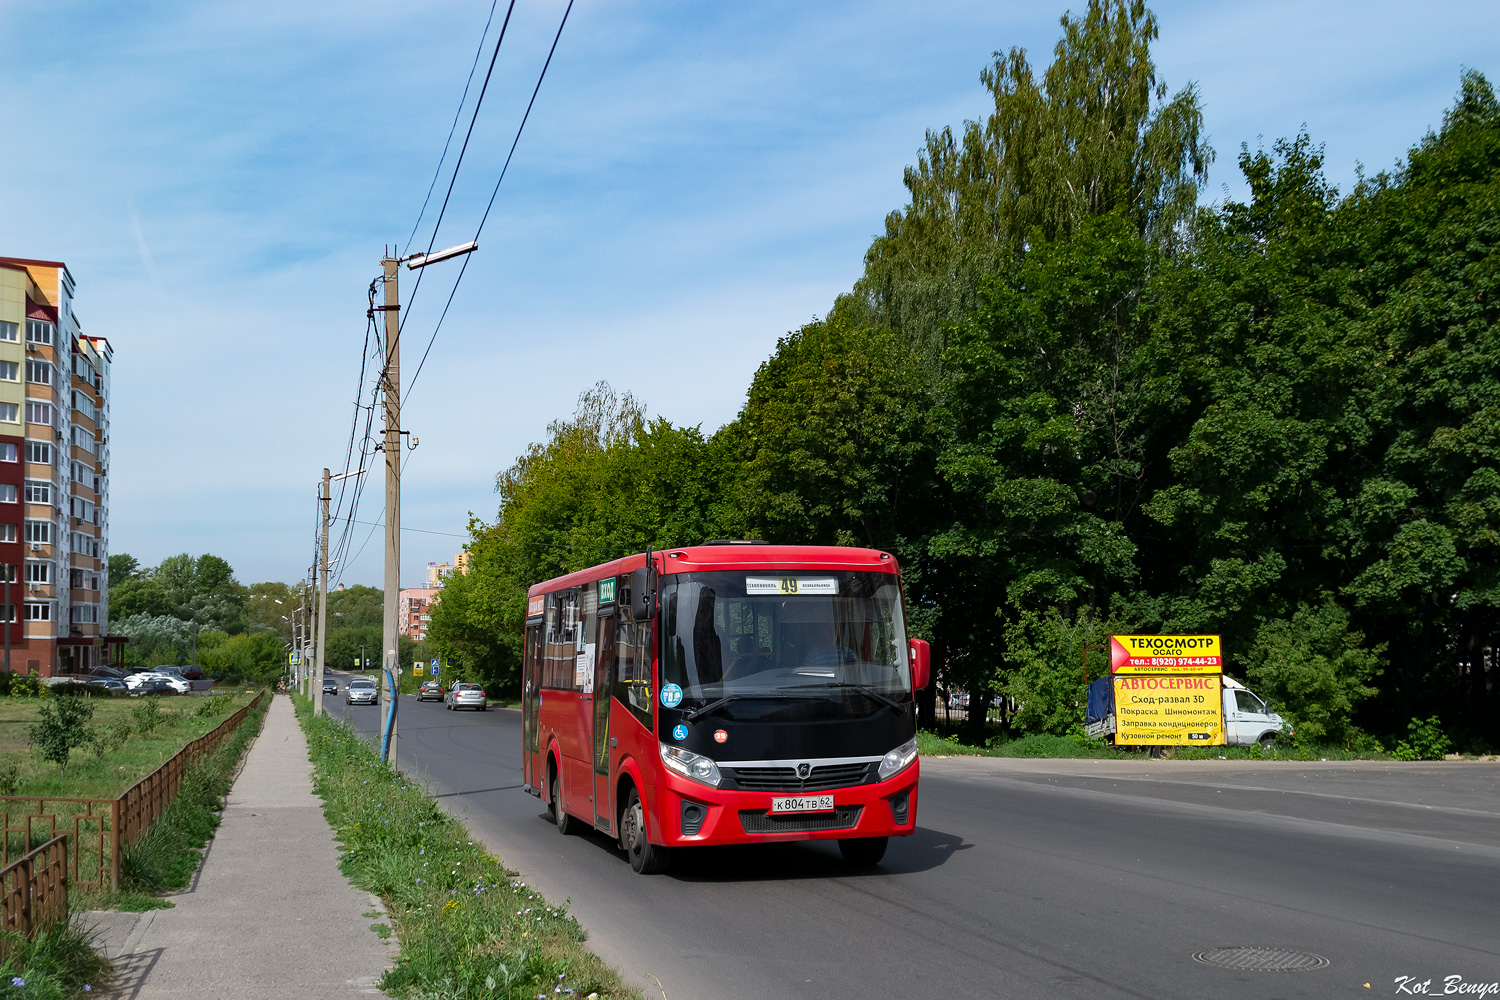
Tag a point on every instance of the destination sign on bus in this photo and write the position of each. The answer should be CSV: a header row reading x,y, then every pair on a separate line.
x,y
791,585
1166,654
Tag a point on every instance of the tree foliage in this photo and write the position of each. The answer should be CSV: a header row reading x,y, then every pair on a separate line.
x,y
1072,402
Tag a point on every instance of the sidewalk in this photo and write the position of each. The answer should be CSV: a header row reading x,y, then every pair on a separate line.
x,y
269,914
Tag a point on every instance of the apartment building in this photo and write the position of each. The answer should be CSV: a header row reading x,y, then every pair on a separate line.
x,y
415,611
54,474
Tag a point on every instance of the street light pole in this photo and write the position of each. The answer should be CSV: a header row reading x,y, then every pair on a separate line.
x,y
391,381
322,605
390,637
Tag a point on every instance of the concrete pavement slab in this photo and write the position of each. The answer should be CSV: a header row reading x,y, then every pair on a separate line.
x,y
269,915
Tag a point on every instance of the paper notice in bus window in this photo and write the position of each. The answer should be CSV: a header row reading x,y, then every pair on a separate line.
x,y
791,585
583,677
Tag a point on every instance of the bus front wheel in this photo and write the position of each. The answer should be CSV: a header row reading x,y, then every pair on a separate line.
x,y
862,852
566,824
645,857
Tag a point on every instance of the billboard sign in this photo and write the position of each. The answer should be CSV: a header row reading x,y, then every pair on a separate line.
x,y
1168,711
1165,654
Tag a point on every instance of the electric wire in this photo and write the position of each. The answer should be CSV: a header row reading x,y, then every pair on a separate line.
x,y
459,163
485,218
457,114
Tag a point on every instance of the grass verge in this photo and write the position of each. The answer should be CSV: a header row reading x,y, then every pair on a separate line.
x,y
469,928
61,962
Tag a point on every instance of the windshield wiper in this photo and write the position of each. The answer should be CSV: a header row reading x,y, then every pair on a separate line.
x,y
868,692
737,696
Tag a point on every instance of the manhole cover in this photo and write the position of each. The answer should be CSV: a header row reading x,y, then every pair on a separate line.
x,y
1261,959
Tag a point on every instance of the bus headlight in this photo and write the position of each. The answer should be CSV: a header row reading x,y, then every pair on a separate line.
x,y
898,759
692,765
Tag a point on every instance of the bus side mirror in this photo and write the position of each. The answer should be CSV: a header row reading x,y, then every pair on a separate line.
x,y
642,595
921,664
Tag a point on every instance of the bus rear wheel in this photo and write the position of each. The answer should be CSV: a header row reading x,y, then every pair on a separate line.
x,y
862,852
645,857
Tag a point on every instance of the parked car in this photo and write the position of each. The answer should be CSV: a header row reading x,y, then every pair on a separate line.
x,y
361,691
193,672
173,681
330,685
430,690
153,685
111,685
465,695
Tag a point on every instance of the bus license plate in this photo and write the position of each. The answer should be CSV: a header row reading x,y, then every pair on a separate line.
x,y
802,803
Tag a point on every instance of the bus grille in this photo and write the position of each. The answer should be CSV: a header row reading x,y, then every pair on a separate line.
x,y
761,821
784,779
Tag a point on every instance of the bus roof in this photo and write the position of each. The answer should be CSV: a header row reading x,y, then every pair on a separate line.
x,y
704,558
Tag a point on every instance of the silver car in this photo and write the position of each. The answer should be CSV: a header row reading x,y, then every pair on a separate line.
x,y
465,695
361,691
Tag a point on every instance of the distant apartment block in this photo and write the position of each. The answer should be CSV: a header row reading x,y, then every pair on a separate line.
x,y
54,474
436,571
415,611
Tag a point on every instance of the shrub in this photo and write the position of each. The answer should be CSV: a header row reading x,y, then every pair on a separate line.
x,y
61,726
1424,741
10,777
145,716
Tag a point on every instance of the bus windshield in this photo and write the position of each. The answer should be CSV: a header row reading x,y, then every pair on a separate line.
x,y
764,635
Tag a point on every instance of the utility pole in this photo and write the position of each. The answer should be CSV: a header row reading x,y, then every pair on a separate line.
x,y
390,635
322,606
10,614
390,663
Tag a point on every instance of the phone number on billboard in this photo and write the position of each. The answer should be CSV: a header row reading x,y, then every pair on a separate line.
x,y
1182,661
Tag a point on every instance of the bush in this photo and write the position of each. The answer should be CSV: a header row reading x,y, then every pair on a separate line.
x,y
61,726
145,716
1424,741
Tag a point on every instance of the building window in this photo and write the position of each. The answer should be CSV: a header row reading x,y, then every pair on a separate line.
x,y
38,492
40,612
12,568
10,371
9,611
7,492
39,372
83,439
38,412
39,531
38,452
38,331
10,412
85,614
8,534
9,331
9,453
38,572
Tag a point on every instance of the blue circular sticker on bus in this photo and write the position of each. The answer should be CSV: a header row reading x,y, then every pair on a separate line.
x,y
671,695
679,732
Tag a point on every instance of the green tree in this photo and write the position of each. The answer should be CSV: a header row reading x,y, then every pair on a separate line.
x,y
61,727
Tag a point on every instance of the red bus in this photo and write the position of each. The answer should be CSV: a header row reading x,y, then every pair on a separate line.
x,y
726,693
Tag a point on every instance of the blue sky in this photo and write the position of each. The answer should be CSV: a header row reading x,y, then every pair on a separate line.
x,y
696,180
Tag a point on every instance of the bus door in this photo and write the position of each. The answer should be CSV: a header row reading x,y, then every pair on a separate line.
x,y
604,817
531,690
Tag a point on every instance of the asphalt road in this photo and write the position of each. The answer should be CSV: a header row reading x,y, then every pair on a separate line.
x,y
1031,878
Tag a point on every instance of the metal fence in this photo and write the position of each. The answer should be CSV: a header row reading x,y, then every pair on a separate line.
x,y
34,890
99,830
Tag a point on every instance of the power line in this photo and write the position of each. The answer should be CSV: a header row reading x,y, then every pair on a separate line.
x,y
457,113
485,218
458,164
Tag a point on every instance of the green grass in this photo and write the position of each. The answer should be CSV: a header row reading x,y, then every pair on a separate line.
x,y
61,962
469,928
140,743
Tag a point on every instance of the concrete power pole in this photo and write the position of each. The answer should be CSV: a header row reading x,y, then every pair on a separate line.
x,y
322,606
390,673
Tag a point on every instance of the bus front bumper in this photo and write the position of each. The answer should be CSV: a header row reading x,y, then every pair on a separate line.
x,y
692,814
